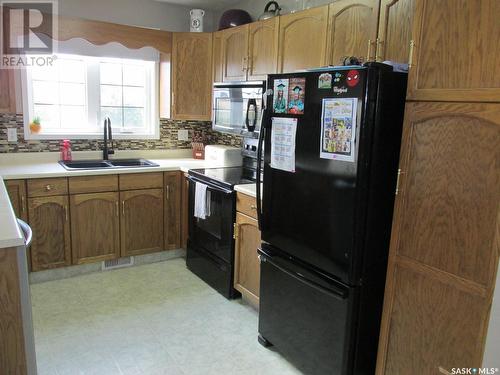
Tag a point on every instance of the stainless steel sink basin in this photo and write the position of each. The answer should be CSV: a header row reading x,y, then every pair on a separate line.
x,y
132,163
106,164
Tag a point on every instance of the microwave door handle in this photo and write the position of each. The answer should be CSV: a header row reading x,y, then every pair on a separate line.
x,y
251,103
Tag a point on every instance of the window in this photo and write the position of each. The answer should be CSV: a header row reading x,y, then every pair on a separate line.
x,y
71,98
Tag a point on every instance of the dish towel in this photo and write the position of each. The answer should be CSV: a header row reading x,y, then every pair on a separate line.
x,y
201,201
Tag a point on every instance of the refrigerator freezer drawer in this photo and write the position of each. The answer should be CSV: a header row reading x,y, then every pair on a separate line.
x,y
307,321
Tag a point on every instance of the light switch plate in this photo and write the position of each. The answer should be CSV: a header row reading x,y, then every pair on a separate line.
x,y
11,135
183,135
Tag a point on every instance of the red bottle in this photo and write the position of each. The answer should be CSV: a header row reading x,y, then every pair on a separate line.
x,y
66,150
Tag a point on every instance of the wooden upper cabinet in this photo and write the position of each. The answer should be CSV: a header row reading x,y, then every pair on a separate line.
x,y
7,91
302,40
456,51
49,220
217,56
191,76
444,246
141,221
394,30
262,49
173,210
352,30
234,53
17,194
452,197
246,263
95,227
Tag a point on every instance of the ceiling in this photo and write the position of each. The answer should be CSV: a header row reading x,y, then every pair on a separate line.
x,y
203,4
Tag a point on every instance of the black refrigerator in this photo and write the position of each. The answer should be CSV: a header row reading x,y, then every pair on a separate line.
x,y
329,151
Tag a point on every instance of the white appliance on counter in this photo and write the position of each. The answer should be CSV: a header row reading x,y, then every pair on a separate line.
x,y
227,156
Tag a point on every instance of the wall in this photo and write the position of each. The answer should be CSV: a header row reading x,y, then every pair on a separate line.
x,y
491,358
168,138
256,7
144,13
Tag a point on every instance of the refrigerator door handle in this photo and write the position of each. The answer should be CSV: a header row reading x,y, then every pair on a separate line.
x,y
334,292
260,143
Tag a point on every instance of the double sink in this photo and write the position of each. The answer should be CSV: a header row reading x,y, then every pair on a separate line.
x,y
106,164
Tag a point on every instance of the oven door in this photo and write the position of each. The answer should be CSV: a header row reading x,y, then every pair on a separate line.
x,y
214,233
237,108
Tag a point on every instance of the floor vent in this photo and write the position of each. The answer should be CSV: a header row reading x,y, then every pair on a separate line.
x,y
117,263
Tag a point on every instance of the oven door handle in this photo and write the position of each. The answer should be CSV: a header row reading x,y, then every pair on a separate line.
x,y
211,186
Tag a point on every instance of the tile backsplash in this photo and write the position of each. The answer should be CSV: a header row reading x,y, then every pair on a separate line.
x,y
168,138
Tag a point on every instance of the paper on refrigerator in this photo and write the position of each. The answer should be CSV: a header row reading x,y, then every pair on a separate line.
x,y
283,132
338,129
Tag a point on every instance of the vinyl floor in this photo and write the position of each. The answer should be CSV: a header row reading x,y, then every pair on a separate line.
x,y
152,319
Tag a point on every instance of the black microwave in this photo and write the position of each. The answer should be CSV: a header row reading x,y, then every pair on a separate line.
x,y
237,107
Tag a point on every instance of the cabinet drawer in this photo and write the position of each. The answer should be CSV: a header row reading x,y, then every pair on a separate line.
x,y
246,204
141,181
44,187
93,184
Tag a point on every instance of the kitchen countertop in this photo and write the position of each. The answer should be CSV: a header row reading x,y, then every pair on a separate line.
x,y
248,189
10,234
45,164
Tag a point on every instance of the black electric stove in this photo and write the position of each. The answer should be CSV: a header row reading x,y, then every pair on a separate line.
x,y
210,248
225,177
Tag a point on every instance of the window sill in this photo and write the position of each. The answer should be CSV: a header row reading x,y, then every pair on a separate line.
x,y
94,136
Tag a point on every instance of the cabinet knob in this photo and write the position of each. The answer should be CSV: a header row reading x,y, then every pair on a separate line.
x,y
253,206
48,187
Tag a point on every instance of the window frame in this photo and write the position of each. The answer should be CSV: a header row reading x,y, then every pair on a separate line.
x,y
93,103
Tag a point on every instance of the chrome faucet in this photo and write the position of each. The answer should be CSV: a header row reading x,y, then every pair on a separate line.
x,y
108,136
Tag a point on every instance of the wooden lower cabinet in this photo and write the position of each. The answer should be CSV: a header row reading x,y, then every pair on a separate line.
x,y
141,228
172,219
246,262
49,220
12,342
95,227
17,194
444,248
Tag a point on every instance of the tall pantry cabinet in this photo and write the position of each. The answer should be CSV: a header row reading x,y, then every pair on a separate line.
x,y
445,238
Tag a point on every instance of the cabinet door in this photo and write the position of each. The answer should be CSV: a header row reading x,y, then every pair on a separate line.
x,y
217,56
191,76
172,210
49,220
17,194
444,245
246,261
352,30
234,53
7,91
456,53
141,221
394,30
185,211
262,48
302,40
95,227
